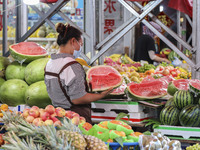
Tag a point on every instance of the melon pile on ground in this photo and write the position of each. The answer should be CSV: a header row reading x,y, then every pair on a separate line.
x,y
23,83
184,105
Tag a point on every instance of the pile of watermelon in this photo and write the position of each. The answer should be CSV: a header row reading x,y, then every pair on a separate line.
x,y
110,131
185,104
22,80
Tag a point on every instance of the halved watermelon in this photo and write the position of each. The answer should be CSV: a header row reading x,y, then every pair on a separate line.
x,y
120,90
150,90
27,51
194,88
103,77
181,84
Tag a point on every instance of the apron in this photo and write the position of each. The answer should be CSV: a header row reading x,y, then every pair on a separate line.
x,y
83,110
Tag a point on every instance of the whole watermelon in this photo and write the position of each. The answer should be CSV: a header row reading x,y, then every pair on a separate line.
x,y
34,71
12,92
1,81
36,95
170,102
15,71
169,115
4,62
189,116
182,98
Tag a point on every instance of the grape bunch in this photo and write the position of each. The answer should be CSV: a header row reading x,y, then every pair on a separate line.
x,y
194,147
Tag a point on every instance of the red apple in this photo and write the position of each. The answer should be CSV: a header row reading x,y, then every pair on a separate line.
x,y
34,112
50,109
30,119
53,115
41,111
48,122
75,120
57,123
82,120
25,113
45,116
36,121
69,114
35,107
60,112
54,119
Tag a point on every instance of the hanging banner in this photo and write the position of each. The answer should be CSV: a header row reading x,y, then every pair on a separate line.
x,y
185,6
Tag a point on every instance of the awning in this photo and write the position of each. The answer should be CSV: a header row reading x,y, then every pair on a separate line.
x,y
185,6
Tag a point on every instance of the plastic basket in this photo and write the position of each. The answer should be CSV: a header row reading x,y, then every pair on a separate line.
x,y
115,146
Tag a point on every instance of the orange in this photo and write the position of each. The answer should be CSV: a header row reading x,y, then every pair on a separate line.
x,y
4,107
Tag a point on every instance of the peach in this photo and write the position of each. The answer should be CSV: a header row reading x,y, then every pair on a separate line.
x,y
82,120
25,113
57,123
45,116
41,111
50,109
30,119
60,112
40,123
69,114
53,115
36,121
75,120
48,122
34,112
35,107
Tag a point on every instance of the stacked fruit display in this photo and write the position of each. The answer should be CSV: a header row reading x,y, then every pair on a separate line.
x,y
108,131
22,135
184,104
25,80
48,116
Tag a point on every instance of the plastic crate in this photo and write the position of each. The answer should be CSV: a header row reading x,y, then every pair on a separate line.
x,y
115,146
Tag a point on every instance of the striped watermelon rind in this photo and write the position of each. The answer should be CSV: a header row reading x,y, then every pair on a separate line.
x,y
102,68
170,102
195,90
183,98
169,115
190,116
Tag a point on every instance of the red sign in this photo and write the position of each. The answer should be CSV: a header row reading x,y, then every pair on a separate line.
x,y
110,6
109,25
165,19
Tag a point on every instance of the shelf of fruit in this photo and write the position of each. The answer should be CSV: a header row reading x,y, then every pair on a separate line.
x,y
136,72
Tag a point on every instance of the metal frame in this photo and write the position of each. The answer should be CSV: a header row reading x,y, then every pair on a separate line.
x,y
106,43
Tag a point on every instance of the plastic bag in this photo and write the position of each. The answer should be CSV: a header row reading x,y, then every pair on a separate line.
x,y
176,62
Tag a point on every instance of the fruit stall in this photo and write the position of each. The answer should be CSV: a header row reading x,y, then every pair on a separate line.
x,y
151,107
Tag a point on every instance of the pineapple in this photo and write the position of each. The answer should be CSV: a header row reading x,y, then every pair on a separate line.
x,y
93,143
76,139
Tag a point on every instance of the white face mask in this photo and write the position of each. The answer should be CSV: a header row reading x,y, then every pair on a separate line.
x,y
77,53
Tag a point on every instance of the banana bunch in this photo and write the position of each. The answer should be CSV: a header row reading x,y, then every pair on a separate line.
x,y
115,57
51,35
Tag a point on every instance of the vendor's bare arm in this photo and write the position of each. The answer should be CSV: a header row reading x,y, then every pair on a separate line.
x,y
90,97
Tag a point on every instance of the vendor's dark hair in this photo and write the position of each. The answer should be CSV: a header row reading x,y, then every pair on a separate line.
x,y
67,32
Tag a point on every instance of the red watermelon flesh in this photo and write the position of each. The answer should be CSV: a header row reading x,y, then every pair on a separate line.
x,y
195,83
103,77
182,84
120,90
29,48
148,90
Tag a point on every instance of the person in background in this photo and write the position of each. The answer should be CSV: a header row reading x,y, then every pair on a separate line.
x,y
65,78
145,46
